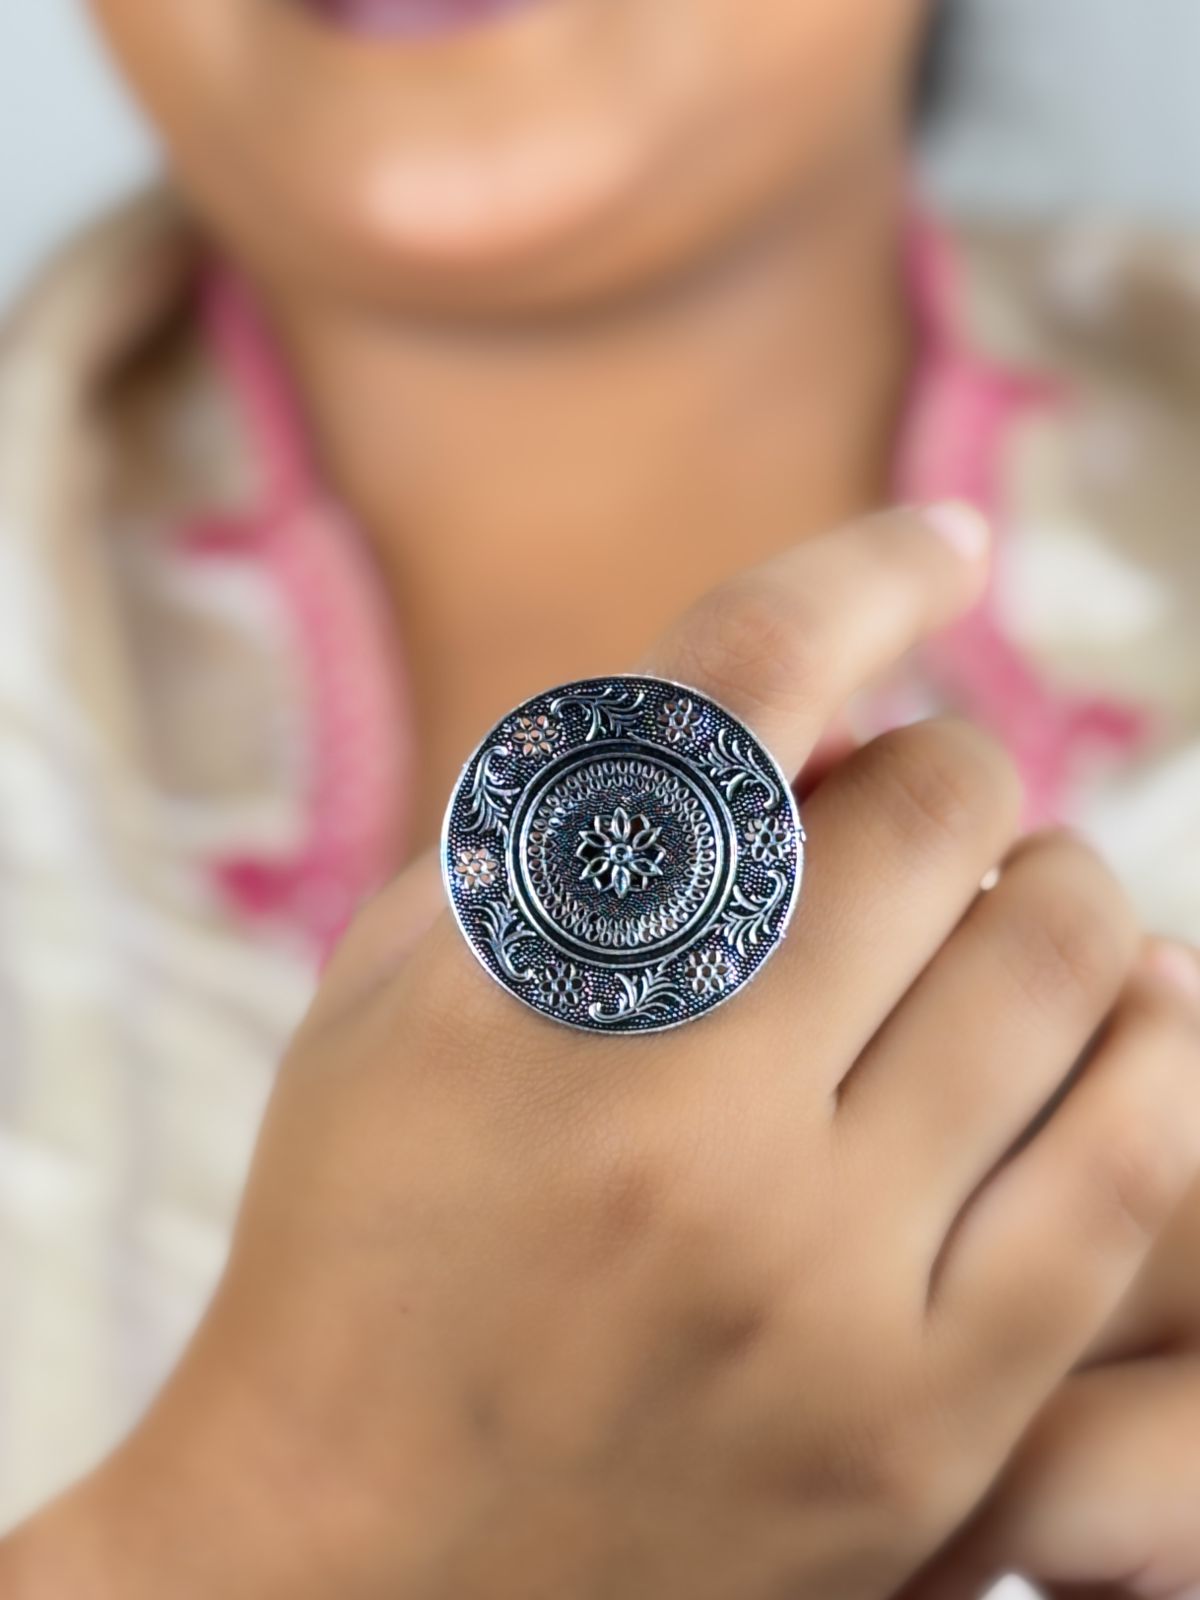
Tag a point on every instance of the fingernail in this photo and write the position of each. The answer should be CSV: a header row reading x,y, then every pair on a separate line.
x,y
1179,966
963,526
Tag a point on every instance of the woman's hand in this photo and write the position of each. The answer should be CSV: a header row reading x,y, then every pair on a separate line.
x,y
1162,1311
1104,1497
1104,1494
747,1311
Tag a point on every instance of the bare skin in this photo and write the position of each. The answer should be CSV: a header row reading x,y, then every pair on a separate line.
x,y
1101,1499
619,467
622,278
654,384
513,1313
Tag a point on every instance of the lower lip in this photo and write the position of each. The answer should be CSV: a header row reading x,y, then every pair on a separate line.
x,y
410,19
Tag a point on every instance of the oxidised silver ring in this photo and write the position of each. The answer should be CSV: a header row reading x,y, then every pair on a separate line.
x,y
622,854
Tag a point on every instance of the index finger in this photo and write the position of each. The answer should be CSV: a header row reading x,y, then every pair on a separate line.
x,y
785,645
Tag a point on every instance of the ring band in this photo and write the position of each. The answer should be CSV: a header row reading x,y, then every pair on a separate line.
x,y
622,854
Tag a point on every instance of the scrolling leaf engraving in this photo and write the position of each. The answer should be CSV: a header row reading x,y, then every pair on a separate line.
x,y
505,931
649,994
747,921
489,798
615,710
735,769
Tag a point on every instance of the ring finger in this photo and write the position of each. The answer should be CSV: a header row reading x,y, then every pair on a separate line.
x,y
994,1026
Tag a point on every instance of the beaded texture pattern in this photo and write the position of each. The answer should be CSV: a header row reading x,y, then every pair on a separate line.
x,y
622,854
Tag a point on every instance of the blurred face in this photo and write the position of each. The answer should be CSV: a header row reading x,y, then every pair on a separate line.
x,y
484,154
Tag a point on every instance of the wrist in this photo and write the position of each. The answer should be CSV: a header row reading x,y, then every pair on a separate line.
x,y
203,1499
248,1478
66,1549
122,1534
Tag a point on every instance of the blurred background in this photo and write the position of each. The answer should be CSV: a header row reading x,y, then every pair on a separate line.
x,y
1042,109
1049,105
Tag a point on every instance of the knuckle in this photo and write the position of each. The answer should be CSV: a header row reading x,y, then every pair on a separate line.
x,y
935,1463
1135,1180
760,643
696,1228
1074,927
624,1186
908,1475
897,1445
942,783
1145,1154
640,1193
1168,1009
1078,952
1166,1027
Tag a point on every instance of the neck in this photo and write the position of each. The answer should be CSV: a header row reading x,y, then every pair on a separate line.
x,y
505,474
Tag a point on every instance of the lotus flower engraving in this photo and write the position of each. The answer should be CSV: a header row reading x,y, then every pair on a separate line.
x,y
620,853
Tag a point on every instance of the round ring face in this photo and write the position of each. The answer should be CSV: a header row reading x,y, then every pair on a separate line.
x,y
622,854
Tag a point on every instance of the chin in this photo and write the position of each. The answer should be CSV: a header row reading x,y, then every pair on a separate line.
x,y
453,230
464,220
452,154
477,155
553,214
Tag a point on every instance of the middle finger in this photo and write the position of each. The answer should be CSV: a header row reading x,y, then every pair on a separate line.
x,y
899,837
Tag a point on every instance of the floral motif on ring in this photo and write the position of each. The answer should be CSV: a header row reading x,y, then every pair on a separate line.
x,y
677,719
768,838
710,972
620,853
560,988
536,736
476,868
